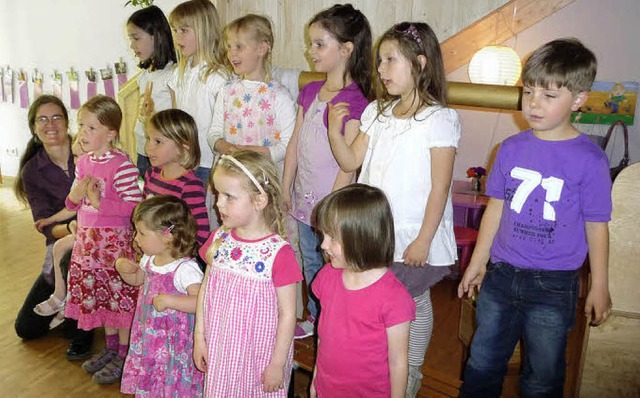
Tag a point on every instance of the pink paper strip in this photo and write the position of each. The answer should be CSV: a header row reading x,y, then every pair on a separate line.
x,y
122,79
92,89
8,86
24,94
108,88
74,94
57,89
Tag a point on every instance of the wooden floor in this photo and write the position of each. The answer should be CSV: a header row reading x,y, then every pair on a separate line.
x,y
39,368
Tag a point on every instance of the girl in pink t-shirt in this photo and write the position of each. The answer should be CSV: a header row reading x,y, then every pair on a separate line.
x,y
246,312
363,331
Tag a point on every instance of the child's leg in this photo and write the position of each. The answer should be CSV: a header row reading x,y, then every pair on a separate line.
x,y
419,336
499,319
312,261
55,303
112,371
550,313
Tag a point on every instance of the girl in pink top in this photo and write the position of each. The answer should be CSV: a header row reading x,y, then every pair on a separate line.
x,y
246,312
363,332
104,194
340,47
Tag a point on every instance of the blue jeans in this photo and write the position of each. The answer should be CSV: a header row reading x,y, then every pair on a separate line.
x,y
203,175
539,306
143,164
312,261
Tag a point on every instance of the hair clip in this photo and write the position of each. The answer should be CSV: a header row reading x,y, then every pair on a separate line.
x,y
168,229
265,178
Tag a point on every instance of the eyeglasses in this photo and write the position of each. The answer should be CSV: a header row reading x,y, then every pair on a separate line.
x,y
43,120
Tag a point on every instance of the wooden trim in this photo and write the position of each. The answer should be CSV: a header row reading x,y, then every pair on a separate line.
x,y
128,97
496,28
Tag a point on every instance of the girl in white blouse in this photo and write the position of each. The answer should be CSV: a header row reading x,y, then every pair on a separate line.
x,y
406,147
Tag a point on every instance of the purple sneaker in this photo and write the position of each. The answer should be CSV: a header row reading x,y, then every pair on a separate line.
x,y
99,361
305,328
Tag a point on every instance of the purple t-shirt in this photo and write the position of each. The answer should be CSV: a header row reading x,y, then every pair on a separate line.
x,y
550,189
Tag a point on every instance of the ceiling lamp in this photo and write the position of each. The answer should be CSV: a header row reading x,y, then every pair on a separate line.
x,y
497,65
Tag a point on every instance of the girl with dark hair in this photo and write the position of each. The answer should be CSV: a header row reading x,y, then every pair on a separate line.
x,y
151,41
44,179
340,47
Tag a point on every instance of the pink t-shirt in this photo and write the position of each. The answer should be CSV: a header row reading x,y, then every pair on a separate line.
x,y
285,265
353,358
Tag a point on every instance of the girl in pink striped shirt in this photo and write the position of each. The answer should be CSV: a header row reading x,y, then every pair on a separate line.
x,y
104,194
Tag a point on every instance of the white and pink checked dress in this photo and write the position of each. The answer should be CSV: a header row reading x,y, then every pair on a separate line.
x,y
241,315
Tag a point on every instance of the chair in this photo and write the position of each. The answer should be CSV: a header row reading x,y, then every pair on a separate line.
x,y
465,241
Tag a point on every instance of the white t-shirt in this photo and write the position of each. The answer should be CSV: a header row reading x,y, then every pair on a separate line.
x,y
398,161
160,95
188,274
197,98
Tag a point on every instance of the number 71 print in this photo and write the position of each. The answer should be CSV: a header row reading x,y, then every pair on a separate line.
x,y
530,180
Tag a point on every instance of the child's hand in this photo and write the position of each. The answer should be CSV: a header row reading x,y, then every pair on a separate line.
x,y
200,353
79,191
471,280
598,305
337,113
93,193
416,253
126,266
273,378
161,302
41,223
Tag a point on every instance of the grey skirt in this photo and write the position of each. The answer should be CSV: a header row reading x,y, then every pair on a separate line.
x,y
418,279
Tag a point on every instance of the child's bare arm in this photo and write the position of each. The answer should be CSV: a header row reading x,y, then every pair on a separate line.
x,y
186,303
349,157
130,271
199,343
273,376
351,130
291,162
312,389
474,274
598,303
398,343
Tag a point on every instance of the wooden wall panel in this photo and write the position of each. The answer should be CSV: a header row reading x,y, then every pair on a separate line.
x,y
290,18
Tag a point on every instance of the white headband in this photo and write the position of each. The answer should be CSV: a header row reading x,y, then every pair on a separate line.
x,y
247,172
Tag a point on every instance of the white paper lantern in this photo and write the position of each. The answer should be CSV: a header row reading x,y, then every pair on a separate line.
x,y
498,65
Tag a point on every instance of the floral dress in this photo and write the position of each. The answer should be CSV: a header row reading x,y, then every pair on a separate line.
x,y
160,360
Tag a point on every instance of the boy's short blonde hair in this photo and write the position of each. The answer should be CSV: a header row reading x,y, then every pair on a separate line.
x,y
563,63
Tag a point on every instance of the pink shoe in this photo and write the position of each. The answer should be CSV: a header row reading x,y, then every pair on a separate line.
x,y
305,328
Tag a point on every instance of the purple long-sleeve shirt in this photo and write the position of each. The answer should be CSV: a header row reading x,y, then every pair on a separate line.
x,y
47,187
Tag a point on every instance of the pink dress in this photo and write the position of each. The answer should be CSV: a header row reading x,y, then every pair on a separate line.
x,y
97,295
241,312
160,360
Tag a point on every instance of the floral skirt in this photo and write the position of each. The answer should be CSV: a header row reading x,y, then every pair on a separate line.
x,y
96,295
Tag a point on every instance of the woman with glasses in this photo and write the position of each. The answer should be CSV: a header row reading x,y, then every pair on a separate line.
x,y
44,180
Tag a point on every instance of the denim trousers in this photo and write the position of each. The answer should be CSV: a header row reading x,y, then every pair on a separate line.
x,y
537,305
143,164
312,261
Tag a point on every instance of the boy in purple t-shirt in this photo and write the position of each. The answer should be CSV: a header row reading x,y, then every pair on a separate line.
x,y
550,204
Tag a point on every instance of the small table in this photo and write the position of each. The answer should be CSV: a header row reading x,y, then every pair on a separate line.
x,y
468,206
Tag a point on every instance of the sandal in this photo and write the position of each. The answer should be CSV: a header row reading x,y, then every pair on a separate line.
x,y
57,320
50,306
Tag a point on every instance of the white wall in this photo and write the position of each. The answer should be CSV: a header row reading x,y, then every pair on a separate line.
x,y
85,33
609,28
52,35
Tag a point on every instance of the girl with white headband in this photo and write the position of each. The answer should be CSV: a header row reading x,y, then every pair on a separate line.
x,y
246,313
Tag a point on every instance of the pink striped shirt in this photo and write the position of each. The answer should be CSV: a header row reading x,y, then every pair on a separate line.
x,y
119,192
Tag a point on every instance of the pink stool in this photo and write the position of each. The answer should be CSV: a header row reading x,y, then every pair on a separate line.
x,y
465,240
